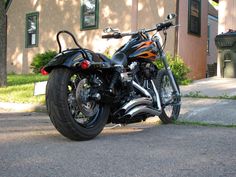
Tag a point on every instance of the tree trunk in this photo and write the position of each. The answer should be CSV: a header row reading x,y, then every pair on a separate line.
x,y
3,43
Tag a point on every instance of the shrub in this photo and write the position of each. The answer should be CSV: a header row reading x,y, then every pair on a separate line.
x,y
178,67
41,60
107,52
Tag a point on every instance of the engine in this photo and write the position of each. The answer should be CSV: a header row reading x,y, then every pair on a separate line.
x,y
137,98
148,70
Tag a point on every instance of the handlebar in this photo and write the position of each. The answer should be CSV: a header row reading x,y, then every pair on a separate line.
x,y
159,27
162,26
115,35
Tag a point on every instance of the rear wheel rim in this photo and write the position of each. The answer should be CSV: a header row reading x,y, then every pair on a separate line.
x,y
75,108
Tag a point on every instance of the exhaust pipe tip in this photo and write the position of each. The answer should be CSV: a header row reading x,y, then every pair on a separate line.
x,y
142,109
127,116
144,101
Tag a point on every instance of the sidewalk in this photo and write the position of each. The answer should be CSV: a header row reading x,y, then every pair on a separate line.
x,y
211,87
21,107
214,111
208,110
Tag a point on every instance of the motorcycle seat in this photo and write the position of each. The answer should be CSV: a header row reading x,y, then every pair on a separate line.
x,y
103,57
117,59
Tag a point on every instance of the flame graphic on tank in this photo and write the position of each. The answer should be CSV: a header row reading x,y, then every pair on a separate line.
x,y
146,50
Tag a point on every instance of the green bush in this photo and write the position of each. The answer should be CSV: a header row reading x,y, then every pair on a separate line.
x,y
178,67
107,52
41,60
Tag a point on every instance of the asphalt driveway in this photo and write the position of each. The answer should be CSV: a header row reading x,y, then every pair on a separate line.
x,y
30,146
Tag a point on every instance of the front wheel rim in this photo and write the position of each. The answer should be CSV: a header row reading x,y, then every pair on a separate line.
x,y
168,97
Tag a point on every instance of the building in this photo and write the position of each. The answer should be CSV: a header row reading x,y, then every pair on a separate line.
x,y
33,24
227,18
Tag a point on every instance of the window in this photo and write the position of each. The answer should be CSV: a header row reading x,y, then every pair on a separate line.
x,y
32,29
194,17
89,14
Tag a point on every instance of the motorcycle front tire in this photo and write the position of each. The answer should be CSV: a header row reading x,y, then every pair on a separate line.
x,y
170,113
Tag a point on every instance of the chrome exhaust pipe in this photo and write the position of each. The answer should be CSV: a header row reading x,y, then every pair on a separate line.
x,y
136,102
133,103
142,109
141,89
139,105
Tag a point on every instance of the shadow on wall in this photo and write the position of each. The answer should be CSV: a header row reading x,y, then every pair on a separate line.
x,y
227,15
61,15
65,15
155,11
148,14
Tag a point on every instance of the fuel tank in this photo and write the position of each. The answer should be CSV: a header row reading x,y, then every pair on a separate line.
x,y
140,47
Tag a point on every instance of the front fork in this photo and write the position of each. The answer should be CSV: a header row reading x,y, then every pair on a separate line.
x,y
167,68
170,75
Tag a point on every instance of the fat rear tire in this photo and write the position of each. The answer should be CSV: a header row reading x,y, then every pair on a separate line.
x,y
60,113
174,109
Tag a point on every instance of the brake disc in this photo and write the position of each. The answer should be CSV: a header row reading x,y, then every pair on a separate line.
x,y
87,106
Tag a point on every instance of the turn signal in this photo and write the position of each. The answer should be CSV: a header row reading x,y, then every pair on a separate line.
x,y
85,64
43,71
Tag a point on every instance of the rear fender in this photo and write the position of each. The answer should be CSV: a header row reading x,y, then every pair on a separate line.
x,y
71,59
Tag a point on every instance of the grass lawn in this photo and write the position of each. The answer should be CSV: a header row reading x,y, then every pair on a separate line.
x,y
20,89
195,123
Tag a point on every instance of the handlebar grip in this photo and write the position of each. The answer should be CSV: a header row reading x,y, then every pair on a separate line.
x,y
164,25
107,36
168,24
114,35
117,35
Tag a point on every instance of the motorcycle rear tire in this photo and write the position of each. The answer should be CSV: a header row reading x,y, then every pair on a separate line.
x,y
60,113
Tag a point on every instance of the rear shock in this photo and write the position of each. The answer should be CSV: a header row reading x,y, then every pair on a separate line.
x,y
114,79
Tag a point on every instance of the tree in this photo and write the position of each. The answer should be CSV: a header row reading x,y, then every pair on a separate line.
x,y
3,43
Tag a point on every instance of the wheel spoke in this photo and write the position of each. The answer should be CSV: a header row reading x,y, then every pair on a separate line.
x,y
83,110
170,103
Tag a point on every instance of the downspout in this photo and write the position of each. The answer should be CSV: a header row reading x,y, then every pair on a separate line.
x,y
176,43
8,3
134,15
6,39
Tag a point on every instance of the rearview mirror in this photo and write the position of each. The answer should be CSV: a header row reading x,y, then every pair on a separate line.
x,y
107,30
171,16
110,30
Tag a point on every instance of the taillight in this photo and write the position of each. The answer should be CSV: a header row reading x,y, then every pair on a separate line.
x,y
43,71
85,64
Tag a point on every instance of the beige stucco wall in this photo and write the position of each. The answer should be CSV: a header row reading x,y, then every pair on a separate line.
x,y
227,15
151,12
212,55
55,15
193,48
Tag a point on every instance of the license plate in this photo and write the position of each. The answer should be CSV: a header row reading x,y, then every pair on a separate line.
x,y
40,88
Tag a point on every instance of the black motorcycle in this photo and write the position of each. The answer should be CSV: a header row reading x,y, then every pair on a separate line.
x,y
87,90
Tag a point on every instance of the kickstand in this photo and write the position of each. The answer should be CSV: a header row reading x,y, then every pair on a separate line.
x,y
114,126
